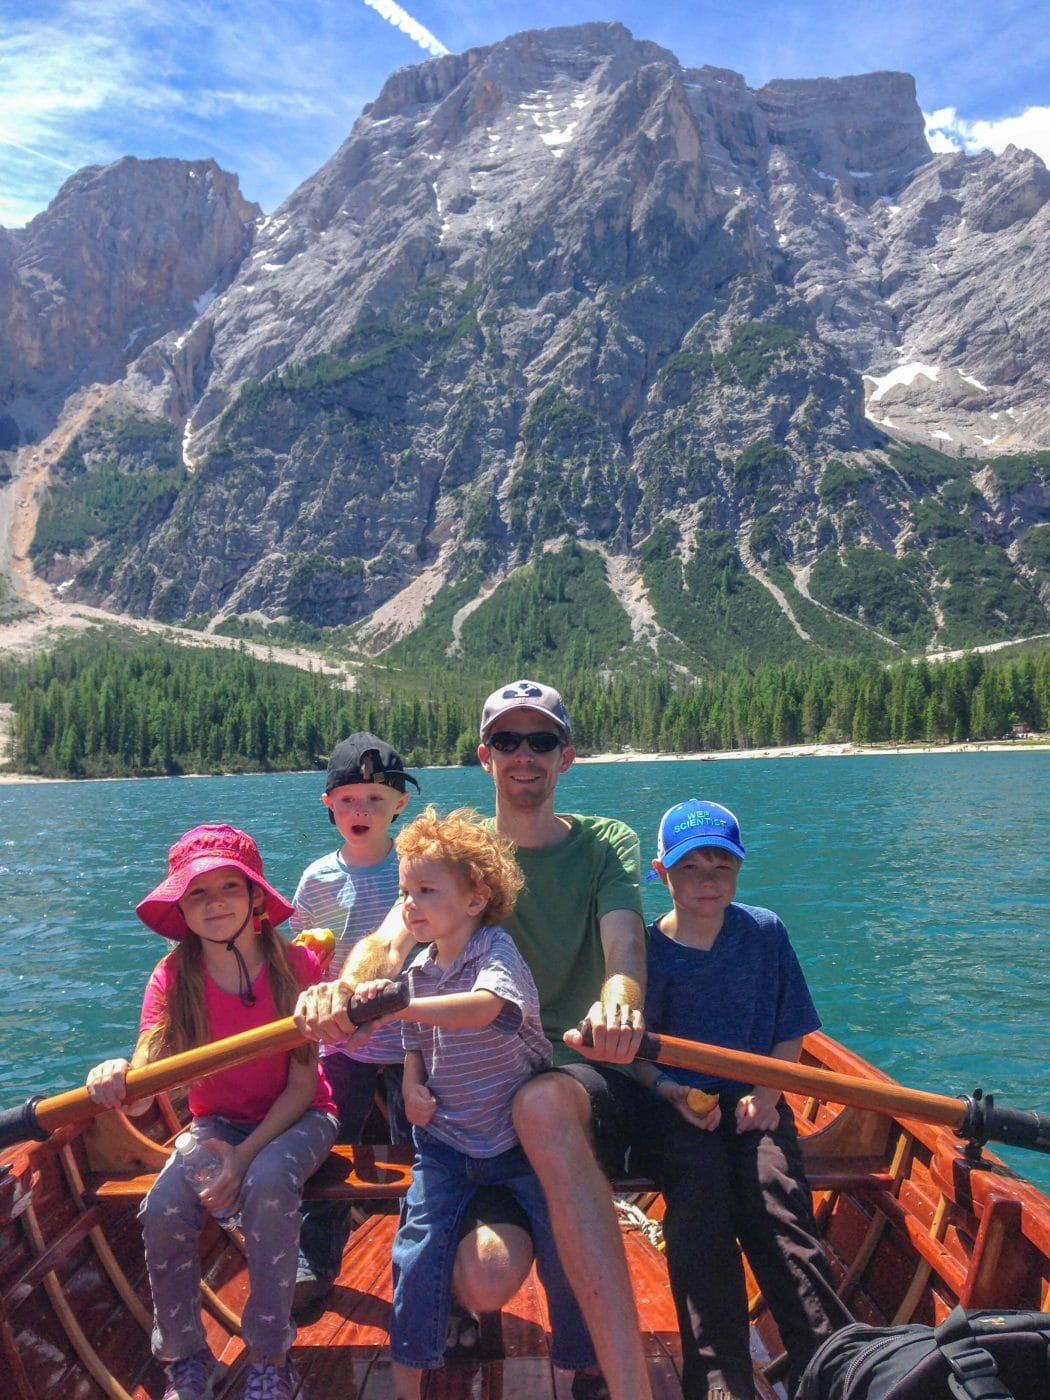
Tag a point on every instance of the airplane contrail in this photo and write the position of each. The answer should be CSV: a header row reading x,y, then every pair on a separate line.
x,y
400,19
17,145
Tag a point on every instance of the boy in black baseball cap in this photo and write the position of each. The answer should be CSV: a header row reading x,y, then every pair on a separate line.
x,y
350,891
364,758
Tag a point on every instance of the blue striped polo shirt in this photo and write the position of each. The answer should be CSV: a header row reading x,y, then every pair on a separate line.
x,y
474,1074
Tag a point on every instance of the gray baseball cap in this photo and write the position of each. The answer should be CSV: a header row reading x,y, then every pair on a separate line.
x,y
525,695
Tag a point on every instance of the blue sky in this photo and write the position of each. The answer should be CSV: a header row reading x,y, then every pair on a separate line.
x,y
270,88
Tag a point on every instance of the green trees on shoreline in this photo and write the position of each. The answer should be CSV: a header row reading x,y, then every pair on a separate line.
x,y
96,708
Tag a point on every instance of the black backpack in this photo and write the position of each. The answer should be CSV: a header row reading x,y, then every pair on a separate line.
x,y
977,1355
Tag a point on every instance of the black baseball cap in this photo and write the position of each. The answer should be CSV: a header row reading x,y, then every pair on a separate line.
x,y
364,758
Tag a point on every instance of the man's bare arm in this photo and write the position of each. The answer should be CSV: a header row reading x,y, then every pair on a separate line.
x,y
623,943
320,1012
381,954
616,1018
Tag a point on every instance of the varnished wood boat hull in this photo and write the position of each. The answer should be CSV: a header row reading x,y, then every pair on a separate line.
x,y
912,1227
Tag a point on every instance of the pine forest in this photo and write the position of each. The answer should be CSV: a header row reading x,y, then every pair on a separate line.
x,y
94,708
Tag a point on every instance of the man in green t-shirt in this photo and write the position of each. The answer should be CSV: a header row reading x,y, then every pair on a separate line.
x,y
578,923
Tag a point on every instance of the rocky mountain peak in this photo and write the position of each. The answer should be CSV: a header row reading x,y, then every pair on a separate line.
x,y
1016,192
523,63
564,286
867,131
122,255
587,120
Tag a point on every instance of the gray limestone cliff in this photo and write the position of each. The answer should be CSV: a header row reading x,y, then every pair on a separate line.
x,y
125,254
566,287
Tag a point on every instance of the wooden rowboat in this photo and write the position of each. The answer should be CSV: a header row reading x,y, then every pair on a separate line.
x,y
913,1220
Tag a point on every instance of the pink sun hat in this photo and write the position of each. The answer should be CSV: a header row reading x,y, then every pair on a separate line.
x,y
201,849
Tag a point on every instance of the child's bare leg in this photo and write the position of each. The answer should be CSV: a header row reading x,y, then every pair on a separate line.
x,y
407,1381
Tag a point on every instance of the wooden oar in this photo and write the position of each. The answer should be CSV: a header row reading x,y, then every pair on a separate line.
x,y
39,1117
973,1116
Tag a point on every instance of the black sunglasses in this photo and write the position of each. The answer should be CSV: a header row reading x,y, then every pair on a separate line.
x,y
507,741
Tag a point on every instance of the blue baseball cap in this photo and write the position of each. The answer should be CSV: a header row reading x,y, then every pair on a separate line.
x,y
692,824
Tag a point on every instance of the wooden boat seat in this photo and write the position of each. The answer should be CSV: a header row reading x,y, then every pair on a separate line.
x,y
368,1172
847,1156
125,1162
349,1174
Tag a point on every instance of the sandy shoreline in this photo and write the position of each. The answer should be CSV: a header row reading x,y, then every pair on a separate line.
x,y
825,751
1041,745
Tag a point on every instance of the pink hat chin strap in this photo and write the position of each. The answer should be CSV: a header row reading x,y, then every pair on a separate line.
x,y
244,982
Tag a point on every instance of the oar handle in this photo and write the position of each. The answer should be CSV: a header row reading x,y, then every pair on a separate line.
x,y
38,1117
1017,1127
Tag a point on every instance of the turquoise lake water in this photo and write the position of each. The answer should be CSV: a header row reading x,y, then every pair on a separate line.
x,y
915,887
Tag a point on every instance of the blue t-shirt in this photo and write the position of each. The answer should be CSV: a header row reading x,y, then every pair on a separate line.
x,y
746,992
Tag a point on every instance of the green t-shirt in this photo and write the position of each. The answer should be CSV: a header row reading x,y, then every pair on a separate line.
x,y
568,888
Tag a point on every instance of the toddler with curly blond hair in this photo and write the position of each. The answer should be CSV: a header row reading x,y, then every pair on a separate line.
x,y
472,1036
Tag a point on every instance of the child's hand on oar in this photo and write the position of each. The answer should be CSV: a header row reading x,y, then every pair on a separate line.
x,y
106,1083
366,992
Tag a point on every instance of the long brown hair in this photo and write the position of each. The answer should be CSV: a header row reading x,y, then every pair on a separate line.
x,y
185,1023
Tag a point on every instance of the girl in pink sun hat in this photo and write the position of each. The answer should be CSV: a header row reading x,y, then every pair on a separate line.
x,y
205,848
272,1120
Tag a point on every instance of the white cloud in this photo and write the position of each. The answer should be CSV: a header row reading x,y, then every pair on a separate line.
x,y
947,131
400,19
49,91
262,91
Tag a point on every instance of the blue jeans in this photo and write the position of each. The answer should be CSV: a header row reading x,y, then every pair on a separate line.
x,y
443,1182
172,1219
326,1224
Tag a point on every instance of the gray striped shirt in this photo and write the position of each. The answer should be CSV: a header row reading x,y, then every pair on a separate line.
x,y
474,1074
352,901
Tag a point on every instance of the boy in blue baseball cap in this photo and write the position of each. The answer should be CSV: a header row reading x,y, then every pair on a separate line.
x,y
729,1165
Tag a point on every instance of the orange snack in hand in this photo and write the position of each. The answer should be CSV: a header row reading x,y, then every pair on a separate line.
x,y
320,941
700,1101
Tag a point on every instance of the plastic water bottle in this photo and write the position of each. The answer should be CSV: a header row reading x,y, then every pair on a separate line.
x,y
202,1166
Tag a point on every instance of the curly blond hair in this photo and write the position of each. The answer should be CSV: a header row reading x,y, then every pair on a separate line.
x,y
481,856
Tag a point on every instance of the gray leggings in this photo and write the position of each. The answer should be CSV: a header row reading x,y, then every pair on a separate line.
x,y
173,1217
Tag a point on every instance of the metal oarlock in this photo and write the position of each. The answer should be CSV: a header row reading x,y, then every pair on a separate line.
x,y
1017,1127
